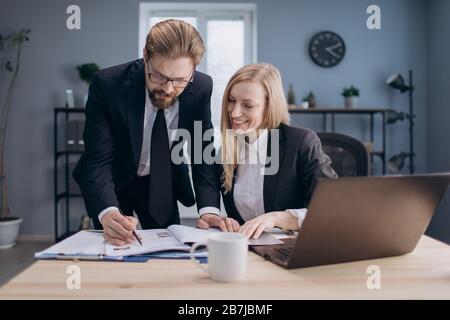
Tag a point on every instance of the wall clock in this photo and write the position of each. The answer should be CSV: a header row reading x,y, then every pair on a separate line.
x,y
326,49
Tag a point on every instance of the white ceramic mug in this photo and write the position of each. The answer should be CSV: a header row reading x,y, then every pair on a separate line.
x,y
227,256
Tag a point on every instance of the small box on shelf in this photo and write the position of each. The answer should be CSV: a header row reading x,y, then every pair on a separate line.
x,y
74,135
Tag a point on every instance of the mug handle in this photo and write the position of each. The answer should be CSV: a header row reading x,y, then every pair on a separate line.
x,y
193,248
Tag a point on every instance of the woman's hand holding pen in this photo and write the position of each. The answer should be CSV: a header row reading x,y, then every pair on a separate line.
x,y
118,229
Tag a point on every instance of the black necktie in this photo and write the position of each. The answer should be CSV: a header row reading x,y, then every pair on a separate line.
x,y
160,186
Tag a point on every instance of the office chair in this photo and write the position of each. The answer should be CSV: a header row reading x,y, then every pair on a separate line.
x,y
349,156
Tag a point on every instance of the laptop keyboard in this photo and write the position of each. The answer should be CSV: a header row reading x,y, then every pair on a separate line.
x,y
284,251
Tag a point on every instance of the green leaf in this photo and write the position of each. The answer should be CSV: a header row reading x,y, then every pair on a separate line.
x,y
86,71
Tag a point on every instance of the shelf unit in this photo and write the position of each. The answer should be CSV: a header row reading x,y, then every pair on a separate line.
x,y
64,195
332,112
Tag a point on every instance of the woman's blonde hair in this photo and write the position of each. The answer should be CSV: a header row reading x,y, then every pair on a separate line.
x,y
276,112
174,39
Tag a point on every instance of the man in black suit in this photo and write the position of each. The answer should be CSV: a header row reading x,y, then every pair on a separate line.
x,y
132,112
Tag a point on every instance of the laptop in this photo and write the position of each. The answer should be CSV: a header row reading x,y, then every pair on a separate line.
x,y
361,218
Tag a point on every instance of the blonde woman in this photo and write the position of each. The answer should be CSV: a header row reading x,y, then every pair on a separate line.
x,y
254,107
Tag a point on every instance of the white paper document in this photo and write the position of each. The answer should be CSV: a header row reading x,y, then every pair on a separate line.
x,y
83,243
153,240
174,238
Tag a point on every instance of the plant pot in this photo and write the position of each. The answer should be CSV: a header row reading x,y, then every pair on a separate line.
x,y
351,102
305,105
9,229
85,99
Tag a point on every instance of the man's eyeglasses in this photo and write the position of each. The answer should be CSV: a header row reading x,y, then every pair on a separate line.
x,y
162,79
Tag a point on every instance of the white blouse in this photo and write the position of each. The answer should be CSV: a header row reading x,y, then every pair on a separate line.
x,y
249,183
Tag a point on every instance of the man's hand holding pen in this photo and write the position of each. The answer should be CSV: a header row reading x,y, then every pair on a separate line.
x,y
118,229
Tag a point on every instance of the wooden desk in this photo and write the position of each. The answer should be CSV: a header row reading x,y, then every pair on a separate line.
x,y
423,274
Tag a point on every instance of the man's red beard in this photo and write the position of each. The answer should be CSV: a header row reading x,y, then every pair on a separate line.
x,y
162,103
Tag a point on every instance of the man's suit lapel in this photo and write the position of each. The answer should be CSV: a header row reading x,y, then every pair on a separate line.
x,y
135,104
186,108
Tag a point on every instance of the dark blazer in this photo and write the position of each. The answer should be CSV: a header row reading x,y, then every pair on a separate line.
x,y
302,162
113,136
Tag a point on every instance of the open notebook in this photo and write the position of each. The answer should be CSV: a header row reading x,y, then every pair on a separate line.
x,y
90,244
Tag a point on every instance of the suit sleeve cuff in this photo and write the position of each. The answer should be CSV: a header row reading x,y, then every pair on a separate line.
x,y
105,211
300,214
212,210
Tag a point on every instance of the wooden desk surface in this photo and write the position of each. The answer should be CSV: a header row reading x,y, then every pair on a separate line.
x,y
423,274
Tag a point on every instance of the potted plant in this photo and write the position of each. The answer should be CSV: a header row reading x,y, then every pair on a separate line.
x,y
291,97
305,103
86,72
10,51
350,95
311,100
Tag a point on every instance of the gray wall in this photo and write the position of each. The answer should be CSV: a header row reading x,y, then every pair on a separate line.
x,y
438,111
109,36
371,57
